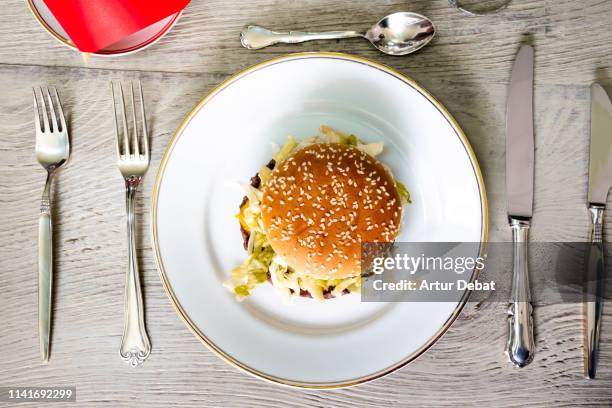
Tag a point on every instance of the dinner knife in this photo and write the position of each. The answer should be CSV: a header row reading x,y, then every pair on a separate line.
x,y
600,180
520,346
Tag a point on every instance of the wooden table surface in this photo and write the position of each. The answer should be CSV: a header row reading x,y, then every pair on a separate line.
x,y
467,67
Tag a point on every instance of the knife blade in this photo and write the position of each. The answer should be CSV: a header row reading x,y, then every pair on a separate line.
x,y
600,180
519,136
600,164
520,345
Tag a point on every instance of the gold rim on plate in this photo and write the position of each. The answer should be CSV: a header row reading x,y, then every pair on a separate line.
x,y
160,266
141,46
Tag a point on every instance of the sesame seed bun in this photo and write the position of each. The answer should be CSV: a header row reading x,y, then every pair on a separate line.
x,y
322,202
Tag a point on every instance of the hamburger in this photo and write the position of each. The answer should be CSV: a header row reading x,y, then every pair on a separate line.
x,y
308,211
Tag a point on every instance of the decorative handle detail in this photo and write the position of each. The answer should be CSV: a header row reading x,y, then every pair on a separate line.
x,y
593,303
255,37
135,345
520,347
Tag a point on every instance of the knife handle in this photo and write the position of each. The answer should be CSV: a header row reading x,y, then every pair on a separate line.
x,y
593,292
520,347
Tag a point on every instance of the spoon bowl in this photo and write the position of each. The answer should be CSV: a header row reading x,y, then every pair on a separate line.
x,y
401,33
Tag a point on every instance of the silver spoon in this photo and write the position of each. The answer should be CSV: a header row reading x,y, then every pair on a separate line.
x,y
396,34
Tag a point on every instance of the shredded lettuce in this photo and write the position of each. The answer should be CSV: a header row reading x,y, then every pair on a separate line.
x,y
264,174
331,135
254,271
284,152
288,283
373,149
403,192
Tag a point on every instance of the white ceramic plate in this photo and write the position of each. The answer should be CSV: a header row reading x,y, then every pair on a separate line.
x,y
225,140
132,43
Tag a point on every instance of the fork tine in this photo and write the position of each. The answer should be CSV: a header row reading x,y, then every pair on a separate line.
x,y
126,135
60,111
117,141
145,133
51,111
36,115
135,142
44,112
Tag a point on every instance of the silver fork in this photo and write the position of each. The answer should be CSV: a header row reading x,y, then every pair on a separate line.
x,y
52,151
133,164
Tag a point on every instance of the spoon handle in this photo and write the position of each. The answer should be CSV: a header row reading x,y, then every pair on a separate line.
x,y
255,37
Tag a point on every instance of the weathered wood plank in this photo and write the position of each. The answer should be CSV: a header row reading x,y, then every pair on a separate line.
x,y
572,38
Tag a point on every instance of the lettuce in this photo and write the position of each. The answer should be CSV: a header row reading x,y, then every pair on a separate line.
x,y
403,192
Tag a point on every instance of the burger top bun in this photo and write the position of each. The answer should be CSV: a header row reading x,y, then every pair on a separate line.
x,y
325,200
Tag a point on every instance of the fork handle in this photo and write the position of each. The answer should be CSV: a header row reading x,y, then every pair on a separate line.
x,y
45,281
135,345
45,269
